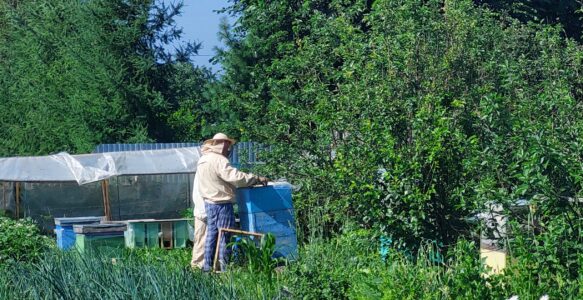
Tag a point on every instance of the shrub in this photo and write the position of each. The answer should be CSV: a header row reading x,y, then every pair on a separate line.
x,y
461,277
328,269
545,258
400,277
350,266
405,116
21,241
257,259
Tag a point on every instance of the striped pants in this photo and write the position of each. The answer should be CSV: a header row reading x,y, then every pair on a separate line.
x,y
218,216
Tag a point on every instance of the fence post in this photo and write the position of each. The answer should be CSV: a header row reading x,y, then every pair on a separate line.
x,y
4,196
17,197
106,205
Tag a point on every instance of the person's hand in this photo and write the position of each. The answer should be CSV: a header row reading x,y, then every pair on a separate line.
x,y
262,180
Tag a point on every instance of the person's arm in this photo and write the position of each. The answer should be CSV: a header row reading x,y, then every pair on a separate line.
x,y
237,178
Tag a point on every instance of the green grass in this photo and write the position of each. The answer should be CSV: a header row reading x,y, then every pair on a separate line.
x,y
139,275
345,267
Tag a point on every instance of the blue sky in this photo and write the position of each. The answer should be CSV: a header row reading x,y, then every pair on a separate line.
x,y
200,23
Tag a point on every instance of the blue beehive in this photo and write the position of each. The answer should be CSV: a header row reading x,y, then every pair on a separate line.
x,y
64,229
270,210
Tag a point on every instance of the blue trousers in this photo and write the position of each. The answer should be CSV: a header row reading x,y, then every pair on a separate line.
x,y
218,216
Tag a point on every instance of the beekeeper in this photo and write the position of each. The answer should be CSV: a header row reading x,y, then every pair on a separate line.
x,y
216,181
199,226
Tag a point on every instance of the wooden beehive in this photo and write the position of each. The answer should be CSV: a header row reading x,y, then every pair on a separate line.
x,y
167,234
64,229
101,237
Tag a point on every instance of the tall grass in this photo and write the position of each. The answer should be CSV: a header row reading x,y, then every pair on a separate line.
x,y
97,276
348,266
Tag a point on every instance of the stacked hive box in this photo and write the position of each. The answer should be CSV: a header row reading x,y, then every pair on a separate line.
x,y
166,234
64,229
494,221
270,210
102,237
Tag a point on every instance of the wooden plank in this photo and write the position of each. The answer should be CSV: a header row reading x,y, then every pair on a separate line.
x,y
80,243
108,216
236,231
103,199
4,196
155,220
99,228
105,194
128,237
166,242
135,235
138,221
78,220
102,243
17,197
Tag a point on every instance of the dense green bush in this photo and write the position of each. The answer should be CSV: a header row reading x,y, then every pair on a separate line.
x,y
460,277
348,266
78,73
403,117
21,241
409,117
406,116
330,269
257,257
545,258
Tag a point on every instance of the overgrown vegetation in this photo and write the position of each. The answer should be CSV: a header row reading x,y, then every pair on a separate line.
x,y
407,117
21,241
346,267
78,73
404,119
69,276
256,257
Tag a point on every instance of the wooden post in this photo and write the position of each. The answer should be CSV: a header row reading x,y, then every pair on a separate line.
x,y
221,230
106,205
166,240
17,197
4,196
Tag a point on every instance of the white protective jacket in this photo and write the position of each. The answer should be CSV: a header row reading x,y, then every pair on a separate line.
x,y
217,179
199,211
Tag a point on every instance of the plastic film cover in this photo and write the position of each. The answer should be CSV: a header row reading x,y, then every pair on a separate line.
x,y
87,168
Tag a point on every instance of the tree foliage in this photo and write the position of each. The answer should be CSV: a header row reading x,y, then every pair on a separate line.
x,y
78,73
568,13
407,116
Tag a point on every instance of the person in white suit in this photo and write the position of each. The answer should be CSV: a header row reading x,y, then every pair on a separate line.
x,y
199,227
